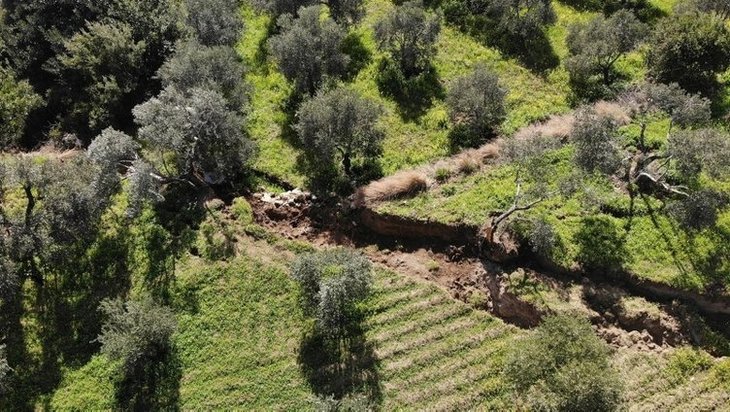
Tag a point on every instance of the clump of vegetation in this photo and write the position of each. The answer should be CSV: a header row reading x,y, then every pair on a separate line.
x,y
309,49
563,366
332,284
690,50
477,108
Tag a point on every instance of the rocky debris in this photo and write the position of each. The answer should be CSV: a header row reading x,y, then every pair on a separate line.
x,y
640,340
292,198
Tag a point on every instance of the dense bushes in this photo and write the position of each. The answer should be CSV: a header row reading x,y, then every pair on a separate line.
x,y
563,366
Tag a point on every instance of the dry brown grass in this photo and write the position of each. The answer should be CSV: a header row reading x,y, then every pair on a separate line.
x,y
613,111
555,126
401,184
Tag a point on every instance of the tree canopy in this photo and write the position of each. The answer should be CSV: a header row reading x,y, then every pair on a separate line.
x,y
338,126
409,35
309,49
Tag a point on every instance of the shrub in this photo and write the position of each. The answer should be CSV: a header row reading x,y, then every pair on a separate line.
x,y
563,366
476,105
685,362
136,331
690,50
215,241
721,373
332,283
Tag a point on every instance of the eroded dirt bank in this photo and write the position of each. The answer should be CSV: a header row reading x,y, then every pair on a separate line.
x,y
625,313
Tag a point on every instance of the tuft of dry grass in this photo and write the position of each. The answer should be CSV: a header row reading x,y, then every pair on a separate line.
x,y
613,111
401,184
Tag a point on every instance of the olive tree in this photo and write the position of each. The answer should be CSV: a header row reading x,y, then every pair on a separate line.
x,y
563,366
332,283
215,22
521,19
595,139
409,35
309,49
721,8
690,50
54,216
476,106
205,136
596,46
279,7
346,11
215,68
136,331
339,126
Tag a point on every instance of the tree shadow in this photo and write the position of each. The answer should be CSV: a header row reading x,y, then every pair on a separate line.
x,y
535,52
415,94
152,385
643,9
360,55
601,246
341,368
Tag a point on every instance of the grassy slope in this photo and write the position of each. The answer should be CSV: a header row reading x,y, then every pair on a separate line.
x,y
409,142
532,96
240,330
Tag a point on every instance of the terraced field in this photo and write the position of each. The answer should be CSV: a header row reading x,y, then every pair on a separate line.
x,y
436,353
648,388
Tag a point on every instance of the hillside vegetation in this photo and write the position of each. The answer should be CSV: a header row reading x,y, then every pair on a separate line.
x,y
363,205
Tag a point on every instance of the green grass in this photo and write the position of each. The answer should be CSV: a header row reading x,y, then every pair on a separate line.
x,y
240,330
